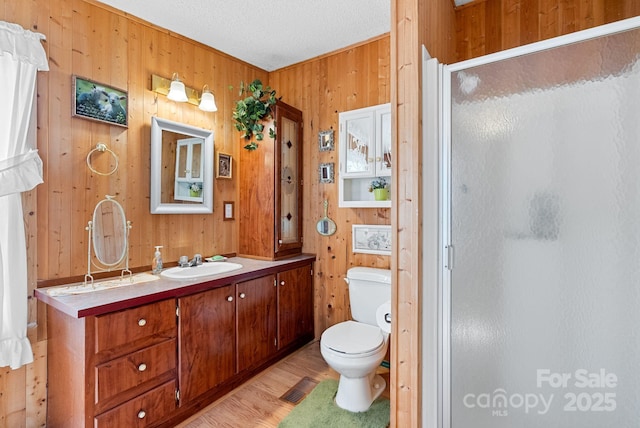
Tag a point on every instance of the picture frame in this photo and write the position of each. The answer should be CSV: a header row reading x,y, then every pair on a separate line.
x,y
99,102
326,173
371,239
228,210
224,165
325,140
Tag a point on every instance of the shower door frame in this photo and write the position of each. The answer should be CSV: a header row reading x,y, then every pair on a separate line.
x,y
439,250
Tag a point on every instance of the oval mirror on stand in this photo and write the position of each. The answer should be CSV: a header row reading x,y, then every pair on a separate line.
x,y
108,232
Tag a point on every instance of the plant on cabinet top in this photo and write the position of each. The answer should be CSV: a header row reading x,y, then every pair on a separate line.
x,y
251,110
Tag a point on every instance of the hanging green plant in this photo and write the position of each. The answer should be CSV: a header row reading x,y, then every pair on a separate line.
x,y
251,110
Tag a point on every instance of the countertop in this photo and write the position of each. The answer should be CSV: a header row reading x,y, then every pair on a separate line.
x,y
128,296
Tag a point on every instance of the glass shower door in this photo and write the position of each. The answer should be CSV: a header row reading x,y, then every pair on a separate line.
x,y
544,291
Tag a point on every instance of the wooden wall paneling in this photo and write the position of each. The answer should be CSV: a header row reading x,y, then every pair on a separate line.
x,y
512,23
36,387
353,78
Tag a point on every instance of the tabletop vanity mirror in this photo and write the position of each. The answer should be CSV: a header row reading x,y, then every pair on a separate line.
x,y
181,168
108,240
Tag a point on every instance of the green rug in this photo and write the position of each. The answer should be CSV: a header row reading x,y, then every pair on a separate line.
x,y
319,410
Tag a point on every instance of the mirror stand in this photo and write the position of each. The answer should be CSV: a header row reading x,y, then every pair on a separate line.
x,y
108,240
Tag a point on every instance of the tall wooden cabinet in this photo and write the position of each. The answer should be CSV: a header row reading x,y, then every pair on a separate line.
x,y
270,186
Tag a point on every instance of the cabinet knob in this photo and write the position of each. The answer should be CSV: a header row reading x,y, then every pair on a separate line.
x,y
142,367
242,295
281,282
142,322
229,298
142,414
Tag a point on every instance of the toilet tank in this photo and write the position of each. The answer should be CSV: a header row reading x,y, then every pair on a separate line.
x,y
368,289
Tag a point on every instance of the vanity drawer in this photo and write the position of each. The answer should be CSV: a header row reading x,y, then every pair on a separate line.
x,y
120,328
124,373
142,411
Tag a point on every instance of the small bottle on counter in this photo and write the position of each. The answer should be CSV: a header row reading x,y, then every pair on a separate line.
x,y
156,265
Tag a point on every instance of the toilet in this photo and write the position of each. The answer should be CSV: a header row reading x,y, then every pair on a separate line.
x,y
355,348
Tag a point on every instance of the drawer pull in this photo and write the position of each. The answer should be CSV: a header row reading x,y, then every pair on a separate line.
x,y
229,298
142,367
242,295
142,414
142,322
281,282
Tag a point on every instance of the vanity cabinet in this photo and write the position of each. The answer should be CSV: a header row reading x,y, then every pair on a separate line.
x,y
270,190
295,305
156,364
364,154
117,369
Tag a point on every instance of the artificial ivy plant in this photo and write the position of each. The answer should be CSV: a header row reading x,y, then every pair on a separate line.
x,y
250,111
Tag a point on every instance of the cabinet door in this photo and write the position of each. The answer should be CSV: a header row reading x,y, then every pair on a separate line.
x,y
383,141
357,143
206,337
295,305
256,312
289,189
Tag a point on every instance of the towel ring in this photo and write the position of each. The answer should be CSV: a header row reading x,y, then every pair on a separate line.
x,y
101,147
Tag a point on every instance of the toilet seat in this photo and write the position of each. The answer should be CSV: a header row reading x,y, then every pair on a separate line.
x,y
353,339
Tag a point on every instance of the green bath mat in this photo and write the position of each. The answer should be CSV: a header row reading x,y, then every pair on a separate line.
x,y
319,410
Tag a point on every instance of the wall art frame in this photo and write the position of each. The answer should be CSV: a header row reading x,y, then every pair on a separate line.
x,y
326,173
371,239
100,102
326,142
224,165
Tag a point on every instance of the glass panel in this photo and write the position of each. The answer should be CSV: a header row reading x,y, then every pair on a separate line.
x,y
289,182
181,169
358,145
384,165
545,202
196,160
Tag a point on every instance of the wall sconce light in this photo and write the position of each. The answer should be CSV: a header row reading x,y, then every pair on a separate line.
x,y
207,101
177,91
167,87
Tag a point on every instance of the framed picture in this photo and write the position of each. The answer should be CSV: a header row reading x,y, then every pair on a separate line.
x,y
371,239
227,211
325,173
325,140
97,101
225,164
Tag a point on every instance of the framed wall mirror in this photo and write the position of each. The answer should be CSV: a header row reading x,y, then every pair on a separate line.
x,y
181,168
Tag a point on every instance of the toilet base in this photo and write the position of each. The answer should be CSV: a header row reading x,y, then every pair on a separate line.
x,y
357,394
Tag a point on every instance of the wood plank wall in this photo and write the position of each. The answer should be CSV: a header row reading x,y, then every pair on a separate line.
x,y
88,39
487,26
94,41
354,78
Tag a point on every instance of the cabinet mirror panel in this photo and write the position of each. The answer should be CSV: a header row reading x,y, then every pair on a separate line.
x,y
181,168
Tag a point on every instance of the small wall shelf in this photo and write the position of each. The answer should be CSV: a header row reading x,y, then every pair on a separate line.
x,y
365,153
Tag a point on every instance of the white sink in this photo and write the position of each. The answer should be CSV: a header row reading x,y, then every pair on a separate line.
x,y
205,269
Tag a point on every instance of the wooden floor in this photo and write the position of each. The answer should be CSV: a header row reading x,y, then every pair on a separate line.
x,y
257,403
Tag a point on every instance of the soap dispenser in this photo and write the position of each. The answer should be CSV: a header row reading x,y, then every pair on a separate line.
x,y
156,266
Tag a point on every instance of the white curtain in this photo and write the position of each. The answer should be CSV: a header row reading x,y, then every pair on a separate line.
x,y
21,56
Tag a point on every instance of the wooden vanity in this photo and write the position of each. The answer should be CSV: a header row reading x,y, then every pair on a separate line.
x,y
152,354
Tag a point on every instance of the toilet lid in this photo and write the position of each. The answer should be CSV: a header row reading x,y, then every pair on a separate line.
x,y
351,337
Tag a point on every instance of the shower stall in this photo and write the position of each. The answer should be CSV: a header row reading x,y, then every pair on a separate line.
x,y
532,235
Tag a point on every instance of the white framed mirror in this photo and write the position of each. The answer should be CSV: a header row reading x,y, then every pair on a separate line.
x,y
181,168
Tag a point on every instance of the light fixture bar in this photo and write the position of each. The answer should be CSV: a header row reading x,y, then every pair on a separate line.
x,y
161,85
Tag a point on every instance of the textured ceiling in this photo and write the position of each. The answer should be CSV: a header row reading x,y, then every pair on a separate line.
x,y
268,34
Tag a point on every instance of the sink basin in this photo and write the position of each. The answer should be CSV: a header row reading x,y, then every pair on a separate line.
x,y
205,269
